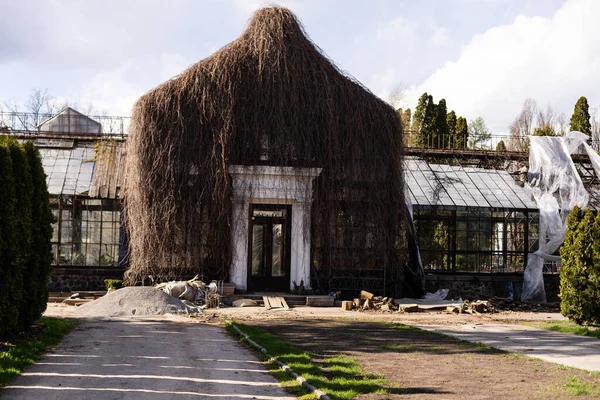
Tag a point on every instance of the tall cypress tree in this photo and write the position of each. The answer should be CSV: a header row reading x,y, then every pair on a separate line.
x,y
580,120
428,126
10,287
441,125
451,123
462,133
417,121
24,195
580,271
41,232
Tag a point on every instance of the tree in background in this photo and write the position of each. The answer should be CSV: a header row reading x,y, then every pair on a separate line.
x,y
417,121
441,137
429,124
462,133
580,120
405,119
580,270
478,133
545,123
451,122
406,122
501,146
433,126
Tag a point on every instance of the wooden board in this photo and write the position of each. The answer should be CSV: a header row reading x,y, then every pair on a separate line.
x,y
275,302
320,301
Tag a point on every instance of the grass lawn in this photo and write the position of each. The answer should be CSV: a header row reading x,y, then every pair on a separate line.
x,y
569,327
23,352
340,376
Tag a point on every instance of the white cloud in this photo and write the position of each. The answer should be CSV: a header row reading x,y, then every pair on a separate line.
x,y
554,60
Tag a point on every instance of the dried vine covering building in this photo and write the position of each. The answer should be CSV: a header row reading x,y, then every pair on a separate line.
x,y
266,165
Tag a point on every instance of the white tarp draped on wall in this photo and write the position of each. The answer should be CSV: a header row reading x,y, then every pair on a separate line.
x,y
557,188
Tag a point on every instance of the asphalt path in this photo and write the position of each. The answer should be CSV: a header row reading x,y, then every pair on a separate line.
x,y
146,359
561,348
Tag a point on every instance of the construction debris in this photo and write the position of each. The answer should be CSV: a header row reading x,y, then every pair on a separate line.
x,y
194,292
244,303
320,301
275,303
368,301
475,307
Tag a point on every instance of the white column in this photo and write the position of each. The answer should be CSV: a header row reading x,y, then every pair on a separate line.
x,y
300,257
239,244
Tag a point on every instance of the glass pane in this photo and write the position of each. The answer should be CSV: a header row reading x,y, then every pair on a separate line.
x,y
258,249
277,263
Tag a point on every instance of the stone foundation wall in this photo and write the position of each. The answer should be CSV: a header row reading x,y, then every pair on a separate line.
x,y
69,279
473,286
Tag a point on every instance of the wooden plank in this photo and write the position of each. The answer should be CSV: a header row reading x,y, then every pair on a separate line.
x,y
320,301
275,303
267,302
366,295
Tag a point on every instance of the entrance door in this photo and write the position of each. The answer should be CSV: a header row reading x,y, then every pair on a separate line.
x,y
269,248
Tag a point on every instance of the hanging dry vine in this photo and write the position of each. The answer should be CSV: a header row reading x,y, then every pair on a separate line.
x,y
270,91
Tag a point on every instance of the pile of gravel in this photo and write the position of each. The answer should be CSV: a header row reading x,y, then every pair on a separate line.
x,y
133,300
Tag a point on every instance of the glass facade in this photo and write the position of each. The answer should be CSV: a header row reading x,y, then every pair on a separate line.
x,y
87,232
476,241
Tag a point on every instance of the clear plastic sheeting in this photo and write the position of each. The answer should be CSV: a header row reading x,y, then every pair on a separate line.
x,y
557,188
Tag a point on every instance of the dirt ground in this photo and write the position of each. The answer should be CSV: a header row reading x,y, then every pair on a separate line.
x,y
428,366
417,365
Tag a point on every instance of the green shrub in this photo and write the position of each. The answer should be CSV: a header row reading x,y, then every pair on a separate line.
x,y
25,234
23,271
41,234
580,271
113,284
10,291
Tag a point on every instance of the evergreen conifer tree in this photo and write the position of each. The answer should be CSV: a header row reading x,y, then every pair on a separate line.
x,y
41,233
451,122
10,283
441,125
580,120
24,193
462,133
580,271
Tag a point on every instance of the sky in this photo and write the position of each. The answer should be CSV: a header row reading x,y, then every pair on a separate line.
x,y
485,57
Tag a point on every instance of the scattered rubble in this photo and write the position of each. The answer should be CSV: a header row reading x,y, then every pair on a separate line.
x,y
245,303
435,302
194,292
368,301
475,307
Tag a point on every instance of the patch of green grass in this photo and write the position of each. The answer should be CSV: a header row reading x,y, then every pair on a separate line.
x,y
576,387
340,376
567,327
27,352
572,327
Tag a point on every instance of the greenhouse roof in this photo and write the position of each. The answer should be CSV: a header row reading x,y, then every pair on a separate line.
x,y
82,168
456,187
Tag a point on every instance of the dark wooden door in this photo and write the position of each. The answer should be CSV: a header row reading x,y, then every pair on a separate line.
x,y
269,248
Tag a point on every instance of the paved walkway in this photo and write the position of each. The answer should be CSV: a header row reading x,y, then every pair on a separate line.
x,y
567,349
148,360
